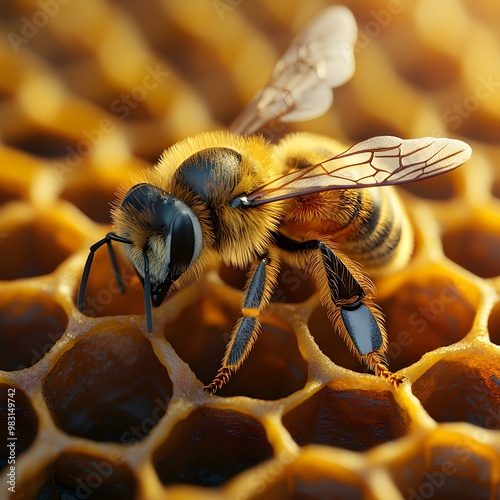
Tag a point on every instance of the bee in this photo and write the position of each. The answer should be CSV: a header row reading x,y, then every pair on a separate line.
x,y
237,197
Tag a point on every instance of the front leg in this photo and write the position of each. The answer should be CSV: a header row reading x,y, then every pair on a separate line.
x,y
258,294
357,318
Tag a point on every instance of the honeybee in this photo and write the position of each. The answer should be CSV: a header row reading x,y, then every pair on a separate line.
x,y
235,196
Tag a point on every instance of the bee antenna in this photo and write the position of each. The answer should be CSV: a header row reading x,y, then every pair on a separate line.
x,y
147,293
88,264
116,269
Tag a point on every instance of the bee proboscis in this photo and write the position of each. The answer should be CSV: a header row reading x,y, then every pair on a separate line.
x,y
239,198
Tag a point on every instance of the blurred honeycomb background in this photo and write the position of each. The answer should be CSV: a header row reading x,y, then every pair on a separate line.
x,y
91,92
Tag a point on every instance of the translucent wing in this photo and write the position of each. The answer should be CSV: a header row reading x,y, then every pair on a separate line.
x,y
319,59
379,161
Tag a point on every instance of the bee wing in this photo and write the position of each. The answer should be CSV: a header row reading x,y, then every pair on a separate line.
x,y
319,59
379,161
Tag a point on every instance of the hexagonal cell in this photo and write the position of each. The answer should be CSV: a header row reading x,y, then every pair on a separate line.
x,y
351,419
80,475
109,387
463,386
103,296
92,197
442,468
31,322
210,447
39,143
37,247
494,325
93,187
293,284
475,248
299,487
425,313
308,478
16,411
274,369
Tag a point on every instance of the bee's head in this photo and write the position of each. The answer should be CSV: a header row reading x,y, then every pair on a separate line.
x,y
166,237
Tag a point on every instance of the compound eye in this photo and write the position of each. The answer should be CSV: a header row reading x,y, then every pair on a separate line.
x,y
184,239
183,244
141,196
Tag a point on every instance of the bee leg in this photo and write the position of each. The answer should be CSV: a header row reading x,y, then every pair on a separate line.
x,y
147,293
114,265
359,320
258,294
88,264
363,330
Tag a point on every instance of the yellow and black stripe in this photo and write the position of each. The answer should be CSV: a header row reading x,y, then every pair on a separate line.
x,y
377,233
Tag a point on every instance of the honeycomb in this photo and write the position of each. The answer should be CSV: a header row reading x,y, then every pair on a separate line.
x,y
92,92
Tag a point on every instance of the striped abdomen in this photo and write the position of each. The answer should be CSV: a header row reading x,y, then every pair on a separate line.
x,y
375,230
369,225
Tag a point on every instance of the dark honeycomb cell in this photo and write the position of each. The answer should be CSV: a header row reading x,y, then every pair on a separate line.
x,y
293,285
236,278
103,296
307,478
494,325
78,475
109,387
462,387
31,322
19,424
442,468
475,248
93,199
210,447
351,419
426,313
274,368
42,144
37,247
301,487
